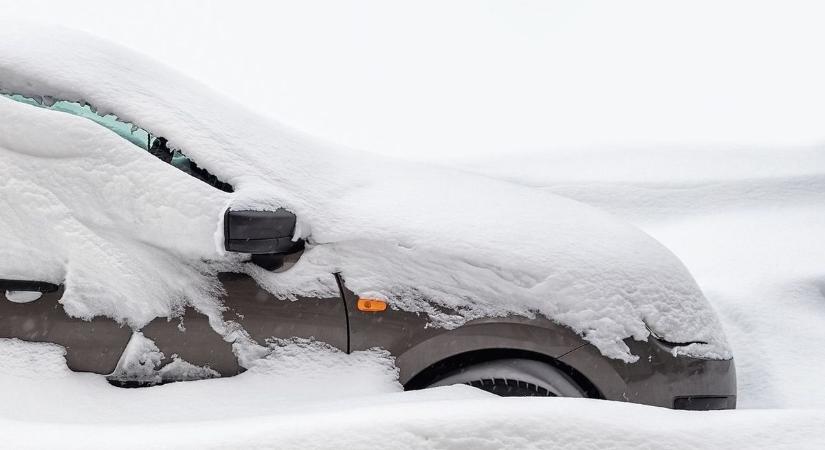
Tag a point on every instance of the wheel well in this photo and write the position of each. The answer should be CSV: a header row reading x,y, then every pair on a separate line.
x,y
456,362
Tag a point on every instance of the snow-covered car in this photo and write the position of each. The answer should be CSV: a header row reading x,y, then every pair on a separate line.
x,y
143,211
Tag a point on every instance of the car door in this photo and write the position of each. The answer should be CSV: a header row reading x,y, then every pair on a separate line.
x,y
97,345
260,313
31,311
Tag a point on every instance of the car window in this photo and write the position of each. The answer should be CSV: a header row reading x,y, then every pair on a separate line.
x,y
156,145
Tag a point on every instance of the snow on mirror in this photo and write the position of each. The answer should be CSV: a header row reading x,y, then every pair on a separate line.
x,y
23,296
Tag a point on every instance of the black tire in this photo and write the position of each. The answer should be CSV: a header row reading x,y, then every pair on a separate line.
x,y
514,377
510,388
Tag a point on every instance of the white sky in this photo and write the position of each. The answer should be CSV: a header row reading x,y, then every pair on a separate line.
x,y
437,79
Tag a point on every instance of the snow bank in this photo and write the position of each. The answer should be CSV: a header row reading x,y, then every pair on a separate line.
x,y
453,420
309,396
36,386
134,239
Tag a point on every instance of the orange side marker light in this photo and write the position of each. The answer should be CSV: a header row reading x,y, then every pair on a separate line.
x,y
371,305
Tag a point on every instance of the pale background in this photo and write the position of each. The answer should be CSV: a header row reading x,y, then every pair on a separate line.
x,y
437,80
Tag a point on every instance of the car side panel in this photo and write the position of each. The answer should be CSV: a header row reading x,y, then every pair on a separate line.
x,y
91,346
417,346
96,345
658,377
260,313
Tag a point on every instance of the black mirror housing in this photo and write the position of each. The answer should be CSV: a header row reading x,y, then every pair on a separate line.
x,y
260,232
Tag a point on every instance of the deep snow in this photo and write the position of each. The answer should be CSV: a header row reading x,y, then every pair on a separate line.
x,y
303,395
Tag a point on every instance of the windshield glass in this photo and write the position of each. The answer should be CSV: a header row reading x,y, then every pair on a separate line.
x,y
156,145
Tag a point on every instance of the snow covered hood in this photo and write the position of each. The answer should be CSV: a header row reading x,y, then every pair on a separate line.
x,y
133,238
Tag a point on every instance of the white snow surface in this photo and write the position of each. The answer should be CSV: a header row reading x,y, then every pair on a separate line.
x,y
290,374
306,395
134,239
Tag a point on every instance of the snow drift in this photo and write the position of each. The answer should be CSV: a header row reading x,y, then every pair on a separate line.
x,y
310,397
133,238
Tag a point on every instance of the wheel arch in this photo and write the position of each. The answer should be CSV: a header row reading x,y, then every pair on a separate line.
x,y
479,342
450,364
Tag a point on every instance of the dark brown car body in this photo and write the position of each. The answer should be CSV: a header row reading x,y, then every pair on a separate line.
x,y
423,353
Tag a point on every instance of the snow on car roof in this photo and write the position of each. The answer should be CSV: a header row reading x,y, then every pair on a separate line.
x,y
134,239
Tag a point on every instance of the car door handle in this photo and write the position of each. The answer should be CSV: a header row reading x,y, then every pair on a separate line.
x,y
24,291
27,285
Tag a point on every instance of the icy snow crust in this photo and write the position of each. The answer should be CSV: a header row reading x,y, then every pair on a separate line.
x,y
133,238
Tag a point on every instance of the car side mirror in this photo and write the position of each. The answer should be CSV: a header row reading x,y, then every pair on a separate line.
x,y
266,235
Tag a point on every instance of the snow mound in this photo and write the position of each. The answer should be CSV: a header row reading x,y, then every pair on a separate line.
x,y
37,386
329,407
307,358
32,360
133,239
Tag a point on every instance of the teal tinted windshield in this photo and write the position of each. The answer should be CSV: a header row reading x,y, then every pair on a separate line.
x,y
130,132
155,145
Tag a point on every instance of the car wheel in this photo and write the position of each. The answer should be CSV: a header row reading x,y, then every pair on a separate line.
x,y
514,378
